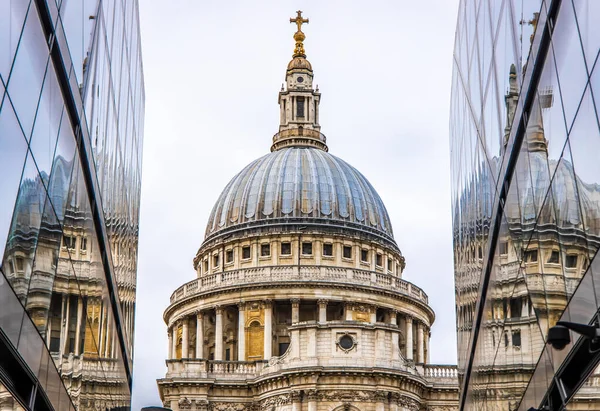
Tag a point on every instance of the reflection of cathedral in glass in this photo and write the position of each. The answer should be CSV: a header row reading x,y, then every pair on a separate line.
x,y
299,301
526,207
71,125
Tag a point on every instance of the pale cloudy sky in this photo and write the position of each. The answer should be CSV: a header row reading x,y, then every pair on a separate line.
x,y
213,71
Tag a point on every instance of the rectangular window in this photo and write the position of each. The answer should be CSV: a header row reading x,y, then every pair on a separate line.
x,y
265,250
283,347
246,252
307,248
531,256
215,261
83,244
54,344
479,252
347,252
229,256
379,260
228,354
516,338
515,307
503,248
286,248
328,249
299,106
554,258
19,263
390,265
364,255
205,265
69,242
571,261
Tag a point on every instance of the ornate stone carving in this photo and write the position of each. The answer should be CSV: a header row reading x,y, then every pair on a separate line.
x,y
347,396
408,403
185,404
312,395
295,396
276,401
295,302
227,406
381,396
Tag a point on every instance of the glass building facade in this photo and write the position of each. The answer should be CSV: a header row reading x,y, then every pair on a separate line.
x,y
71,127
525,170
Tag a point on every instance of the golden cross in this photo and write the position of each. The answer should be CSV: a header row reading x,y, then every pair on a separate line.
x,y
299,20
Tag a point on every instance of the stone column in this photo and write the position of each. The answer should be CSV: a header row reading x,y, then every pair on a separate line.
x,y
218,333
322,311
381,398
348,310
373,313
174,341
427,351
65,319
394,402
312,397
409,338
393,317
241,337
268,344
296,400
78,329
199,335
170,353
295,310
108,336
420,346
185,343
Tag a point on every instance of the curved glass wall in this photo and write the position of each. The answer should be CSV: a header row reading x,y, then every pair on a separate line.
x,y
525,140
71,126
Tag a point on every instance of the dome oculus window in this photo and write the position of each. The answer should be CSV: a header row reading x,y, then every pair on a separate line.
x,y
300,79
346,342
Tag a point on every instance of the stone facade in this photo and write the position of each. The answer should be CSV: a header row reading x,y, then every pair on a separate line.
x,y
299,301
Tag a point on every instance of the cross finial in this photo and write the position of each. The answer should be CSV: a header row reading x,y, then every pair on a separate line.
x,y
299,20
299,35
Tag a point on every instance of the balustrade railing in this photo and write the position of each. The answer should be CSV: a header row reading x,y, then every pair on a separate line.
x,y
294,273
441,372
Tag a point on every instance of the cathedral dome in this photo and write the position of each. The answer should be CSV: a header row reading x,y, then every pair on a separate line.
x,y
299,185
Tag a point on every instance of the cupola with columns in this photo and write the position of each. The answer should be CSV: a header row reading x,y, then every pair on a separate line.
x,y
299,101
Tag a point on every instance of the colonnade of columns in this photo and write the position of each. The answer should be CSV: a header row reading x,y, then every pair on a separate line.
x,y
411,326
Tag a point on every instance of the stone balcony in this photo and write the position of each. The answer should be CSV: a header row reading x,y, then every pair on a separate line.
x,y
283,274
190,368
